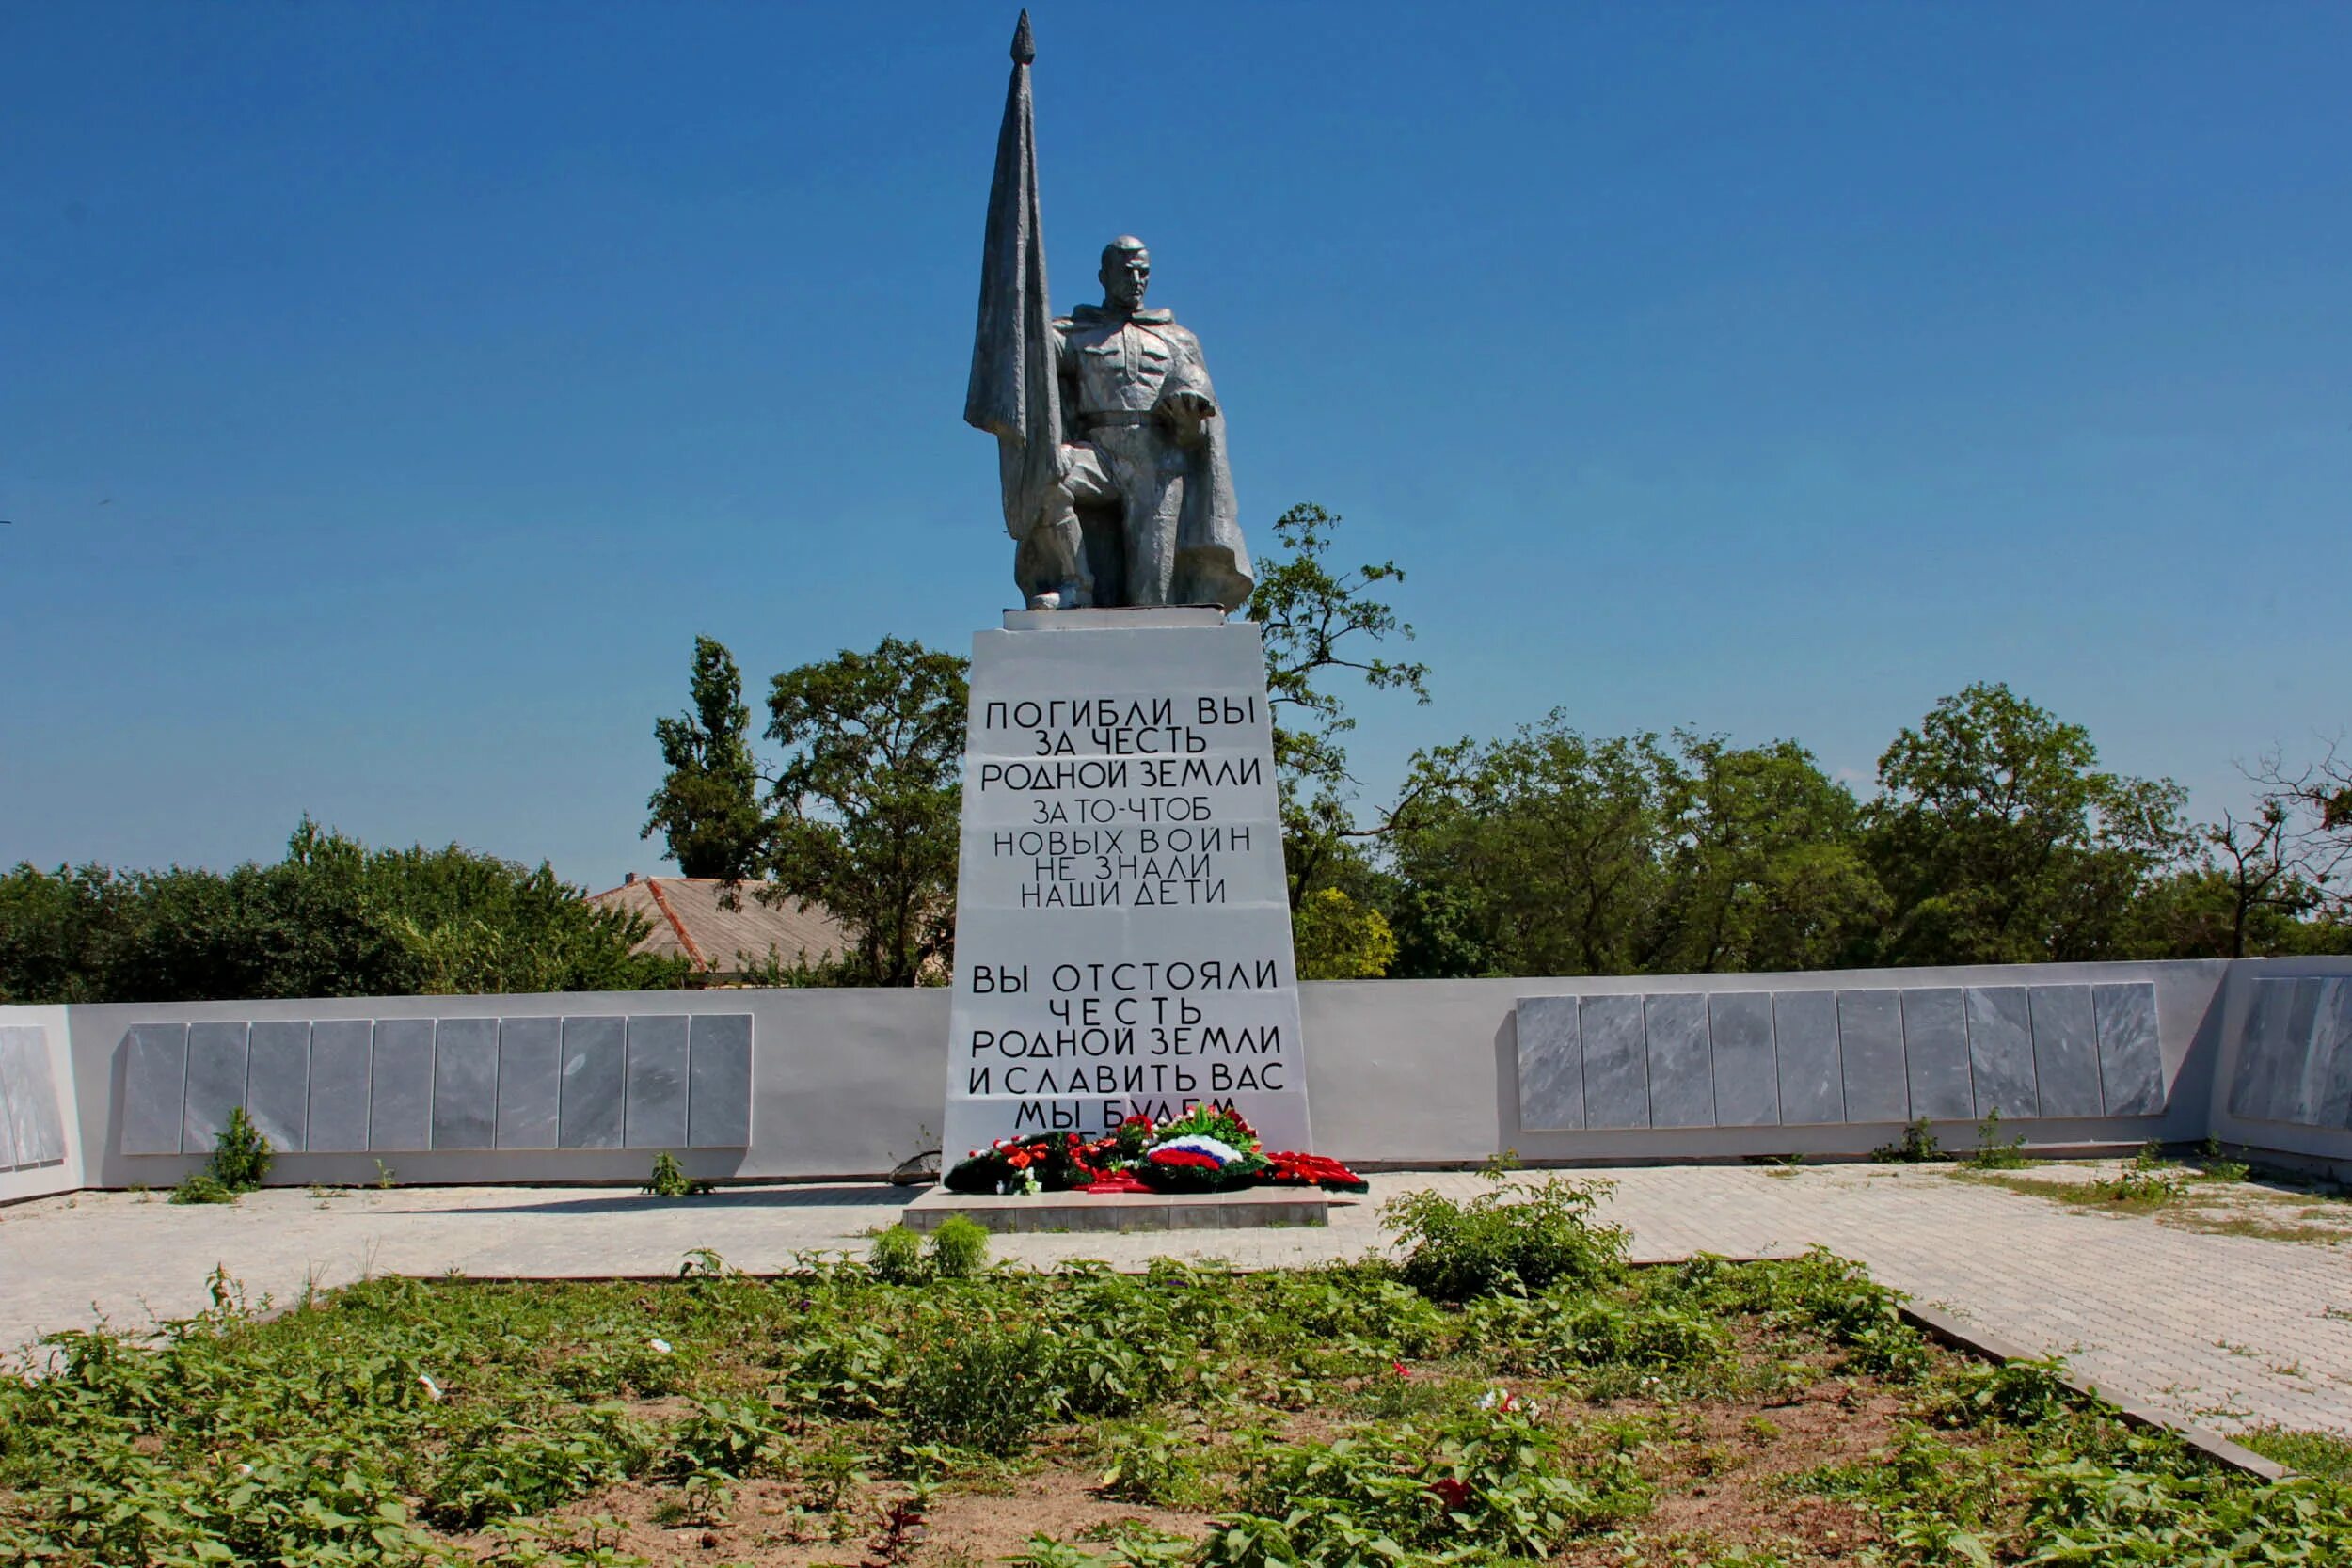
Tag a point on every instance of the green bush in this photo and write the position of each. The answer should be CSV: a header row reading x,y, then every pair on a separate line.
x,y
1992,1152
1521,1236
1917,1147
897,1256
958,1247
241,1156
202,1187
987,1389
669,1178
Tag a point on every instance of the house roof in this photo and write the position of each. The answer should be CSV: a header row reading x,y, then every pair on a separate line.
x,y
689,920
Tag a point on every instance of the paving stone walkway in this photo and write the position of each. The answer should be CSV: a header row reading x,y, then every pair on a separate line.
x,y
2224,1330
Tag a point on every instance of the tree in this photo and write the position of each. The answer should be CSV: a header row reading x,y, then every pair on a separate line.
x,y
333,918
2000,841
1335,937
1313,622
867,801
708,808
1553,853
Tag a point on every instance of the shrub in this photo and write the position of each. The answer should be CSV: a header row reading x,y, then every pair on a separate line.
x,y
241,1156
958,1247
202,1187
990,1391
669,1178
1990,1153
897,1256
1917,1147
1525,1237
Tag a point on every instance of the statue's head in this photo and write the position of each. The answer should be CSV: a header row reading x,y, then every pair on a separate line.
x,y
1126,273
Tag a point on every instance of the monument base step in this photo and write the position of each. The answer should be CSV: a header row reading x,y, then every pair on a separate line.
x,y
1037,1213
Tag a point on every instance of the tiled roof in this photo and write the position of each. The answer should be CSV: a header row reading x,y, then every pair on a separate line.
x,y
689,920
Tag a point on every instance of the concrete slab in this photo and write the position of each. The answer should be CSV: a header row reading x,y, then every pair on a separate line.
x,y
1255,1208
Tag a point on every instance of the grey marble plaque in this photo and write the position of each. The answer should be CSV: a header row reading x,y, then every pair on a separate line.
x,y
215,1084
1551,1064
2066,1050
1616,1061
277,1082
719,1082
8,1104
2335,1017
464,1083
32,1124
1805,1038
340,1068
531,1080
2305,1095
400,1084
154,1088
2260,1050
2000,1050
1682,1076
1747,1079
656,1117
593,1080
1936,1054
1871,1051
2131,1059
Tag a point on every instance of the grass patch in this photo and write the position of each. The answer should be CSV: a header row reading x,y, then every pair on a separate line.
x,y
2327,1455
1508,1390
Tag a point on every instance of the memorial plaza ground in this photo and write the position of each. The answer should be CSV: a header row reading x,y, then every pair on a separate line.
x,y
2229,1308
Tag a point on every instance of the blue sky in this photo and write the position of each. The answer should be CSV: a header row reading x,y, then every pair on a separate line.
x,y
389,393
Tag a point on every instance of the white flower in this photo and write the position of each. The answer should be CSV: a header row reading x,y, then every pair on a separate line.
x,y
1486,1401
432,1389
659,1347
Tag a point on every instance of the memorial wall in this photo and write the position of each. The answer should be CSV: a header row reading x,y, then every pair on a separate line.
x,y
845,1084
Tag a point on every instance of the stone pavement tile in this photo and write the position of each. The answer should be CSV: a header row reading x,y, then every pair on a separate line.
x,y
2225,1330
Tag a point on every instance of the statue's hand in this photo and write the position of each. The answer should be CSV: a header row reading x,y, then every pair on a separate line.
x,y
1188,411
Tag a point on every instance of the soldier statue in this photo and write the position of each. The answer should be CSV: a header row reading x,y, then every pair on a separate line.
x,y
1110,443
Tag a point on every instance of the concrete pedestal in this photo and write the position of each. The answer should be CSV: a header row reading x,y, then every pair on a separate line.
x,y
1253,1208
1122,931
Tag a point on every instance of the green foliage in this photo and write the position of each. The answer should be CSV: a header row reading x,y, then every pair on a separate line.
x,y
1152,1465
1337,939
2139,1187
1992,1152
669,1178
1917,1147
241,1155
708,808
958,1247
2327,1455
1524,1237
987,1389
897,1256
1551,853
867,801
1317,621
504,1468
728,1437
2002,842
333,918
202,1186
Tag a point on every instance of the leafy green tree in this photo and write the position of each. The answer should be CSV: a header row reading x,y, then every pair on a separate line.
x,y
1554,853
331,919
867,801
1317,623
1335,937
2001,840
708,808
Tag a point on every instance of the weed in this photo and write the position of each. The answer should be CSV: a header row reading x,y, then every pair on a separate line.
x,y
1514,1237
897,1256
958,1247
669,1180
987,1389
242,1155
1917,1147
386,1176
2151,1157
202,1187
1990,1153
2325,1454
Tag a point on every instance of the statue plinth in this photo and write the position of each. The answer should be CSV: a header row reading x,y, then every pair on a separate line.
x,y
1122,924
